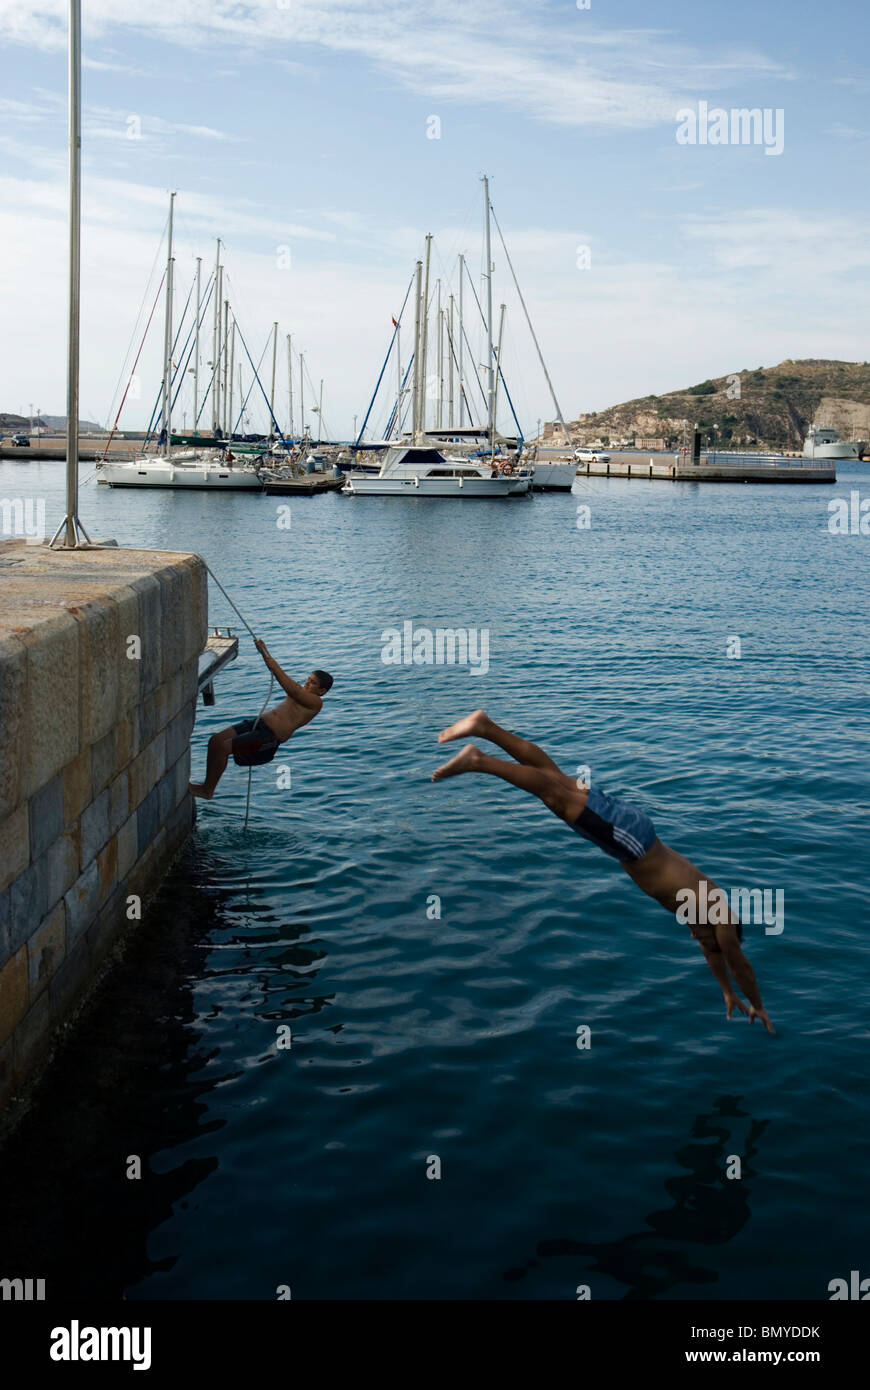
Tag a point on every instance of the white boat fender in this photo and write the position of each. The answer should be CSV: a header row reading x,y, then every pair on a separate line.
x,y
416,481
461,480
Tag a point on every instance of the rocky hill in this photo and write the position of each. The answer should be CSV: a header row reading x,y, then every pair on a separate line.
x,y
770,407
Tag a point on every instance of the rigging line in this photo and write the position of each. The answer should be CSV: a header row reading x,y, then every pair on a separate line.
x,y
386,360
135,364
278,428
559,415
139,314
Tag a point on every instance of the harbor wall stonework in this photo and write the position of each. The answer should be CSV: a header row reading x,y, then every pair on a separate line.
x,y
99,654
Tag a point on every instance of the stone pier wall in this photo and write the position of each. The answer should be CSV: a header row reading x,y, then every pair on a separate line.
x,y
98,679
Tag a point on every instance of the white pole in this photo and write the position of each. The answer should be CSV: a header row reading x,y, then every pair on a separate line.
x,y
226,335
498,365
196,349
415,399
70,522
450,364
232,368
302,393
398,380
290,379
489,364
167,332
439,418
320,414
215,352
461,353
424,333
272,393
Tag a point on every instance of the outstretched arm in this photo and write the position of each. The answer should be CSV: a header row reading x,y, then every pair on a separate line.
x,y
735,961
287,684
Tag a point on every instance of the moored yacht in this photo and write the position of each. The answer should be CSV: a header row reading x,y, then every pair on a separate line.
x,y
410,470
823,442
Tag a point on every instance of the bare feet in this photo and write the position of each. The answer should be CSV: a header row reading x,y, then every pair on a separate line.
x,y
199,789
466,761
472,724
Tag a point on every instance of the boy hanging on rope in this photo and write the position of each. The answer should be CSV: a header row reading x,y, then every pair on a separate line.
x,y
621,830
303,702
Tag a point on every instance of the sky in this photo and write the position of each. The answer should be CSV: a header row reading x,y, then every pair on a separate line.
x,y
300,132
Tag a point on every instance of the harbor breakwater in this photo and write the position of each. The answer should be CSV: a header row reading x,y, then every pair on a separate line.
x,y
99,654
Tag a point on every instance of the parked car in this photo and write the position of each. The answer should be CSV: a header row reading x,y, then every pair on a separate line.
x,y
591,456
20,441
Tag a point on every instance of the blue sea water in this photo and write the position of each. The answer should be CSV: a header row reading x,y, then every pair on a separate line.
x,y
455,1037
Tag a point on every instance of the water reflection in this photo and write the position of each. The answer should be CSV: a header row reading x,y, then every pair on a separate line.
x,y
708,1208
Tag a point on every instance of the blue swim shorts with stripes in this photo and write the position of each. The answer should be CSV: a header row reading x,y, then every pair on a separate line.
x,y
617,827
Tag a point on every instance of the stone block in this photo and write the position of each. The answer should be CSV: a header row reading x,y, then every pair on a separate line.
x,y
33,1035
46,949
5,915
46,816
108,929
150,622
182,777
7,1072
13,718
124,741
69,982
147,769
82,905
165,796
107,867
27,905
77,787
59,867
128,847
101,656
145,874
129,669
178,733
149,819
104,763
51,730
14,846
14,997
176,619
119,802
95,827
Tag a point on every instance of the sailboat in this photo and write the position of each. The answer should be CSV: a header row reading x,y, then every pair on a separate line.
x,y
443,461
213,468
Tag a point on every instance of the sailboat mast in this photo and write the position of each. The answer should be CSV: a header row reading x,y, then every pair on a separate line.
x,y
302,394
450,364
290,380
167,329
232,366
272,392
226,335
424,334
490,393
498,364
196,348
461,353
215,374
440,320
415,400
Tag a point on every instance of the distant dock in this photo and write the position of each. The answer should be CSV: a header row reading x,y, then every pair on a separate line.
x,y
713,468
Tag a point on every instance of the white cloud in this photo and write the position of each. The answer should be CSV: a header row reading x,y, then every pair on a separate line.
x,y
559,67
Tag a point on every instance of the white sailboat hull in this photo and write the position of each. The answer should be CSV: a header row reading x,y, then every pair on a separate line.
x,y
164,473
365,486
552,477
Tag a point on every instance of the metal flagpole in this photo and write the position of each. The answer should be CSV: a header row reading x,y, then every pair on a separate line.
x,y
71,525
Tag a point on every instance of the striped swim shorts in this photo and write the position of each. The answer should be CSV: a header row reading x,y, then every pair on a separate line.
x,y
615,826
